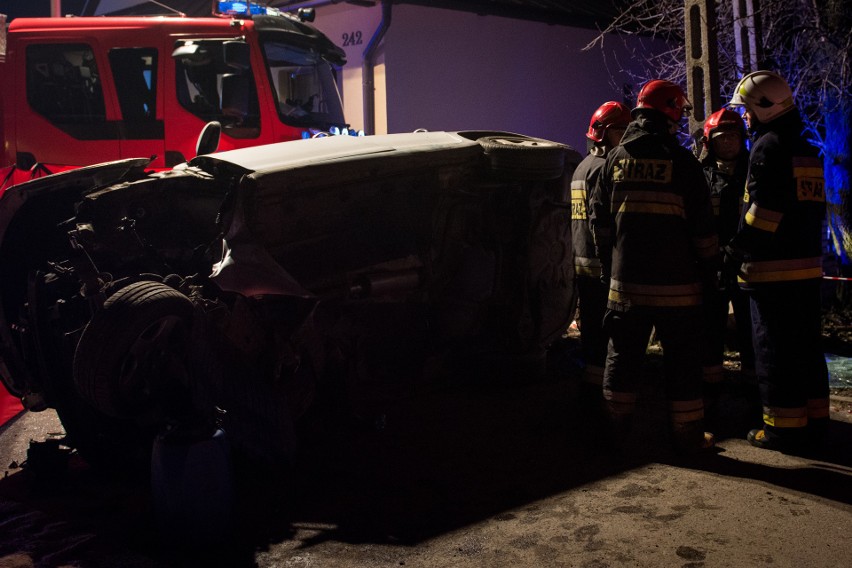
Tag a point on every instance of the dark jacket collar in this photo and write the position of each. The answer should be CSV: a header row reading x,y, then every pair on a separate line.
x,y
645,125
786,124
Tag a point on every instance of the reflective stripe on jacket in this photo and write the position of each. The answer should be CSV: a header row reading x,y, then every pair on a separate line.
x,y
586,261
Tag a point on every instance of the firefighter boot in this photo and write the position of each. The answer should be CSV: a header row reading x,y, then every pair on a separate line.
x,y
817,432
617,429
711,394
619,406
590,404
689,438
766,439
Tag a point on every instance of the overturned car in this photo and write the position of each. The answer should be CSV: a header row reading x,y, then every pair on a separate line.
x,y
249,281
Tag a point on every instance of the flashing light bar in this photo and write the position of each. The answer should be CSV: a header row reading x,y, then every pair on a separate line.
x,y
232,8
333,131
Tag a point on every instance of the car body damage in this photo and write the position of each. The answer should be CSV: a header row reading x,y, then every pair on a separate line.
x,y
252,280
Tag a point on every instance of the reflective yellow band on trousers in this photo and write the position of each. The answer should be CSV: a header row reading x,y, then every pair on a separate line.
x,y
818,408
781,422
686,410
593,374
706,247
660,295
619,403
780,417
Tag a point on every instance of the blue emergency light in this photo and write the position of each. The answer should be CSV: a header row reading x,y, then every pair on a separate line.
x,y
231,8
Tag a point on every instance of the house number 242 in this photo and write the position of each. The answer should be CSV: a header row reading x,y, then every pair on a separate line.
x,y
353,38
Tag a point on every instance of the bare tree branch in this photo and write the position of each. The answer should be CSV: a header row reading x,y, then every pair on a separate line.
x,y
809,42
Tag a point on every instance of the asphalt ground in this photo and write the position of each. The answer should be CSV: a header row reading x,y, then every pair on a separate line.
x,y
462,473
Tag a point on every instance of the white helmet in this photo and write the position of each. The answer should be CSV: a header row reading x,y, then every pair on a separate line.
x,y
765,94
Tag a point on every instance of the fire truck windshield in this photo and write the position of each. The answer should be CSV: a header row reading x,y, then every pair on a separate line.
x,y
305,86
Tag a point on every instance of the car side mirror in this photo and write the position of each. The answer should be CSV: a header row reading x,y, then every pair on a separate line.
x,y
208,140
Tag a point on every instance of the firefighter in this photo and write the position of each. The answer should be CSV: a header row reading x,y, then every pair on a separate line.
x,y
606,127
652,222
724,158
778,251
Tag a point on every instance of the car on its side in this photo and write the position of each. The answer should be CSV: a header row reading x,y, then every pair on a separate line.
x,y
135,301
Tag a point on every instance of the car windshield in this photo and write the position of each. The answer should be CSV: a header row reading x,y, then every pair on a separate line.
x,y
305,86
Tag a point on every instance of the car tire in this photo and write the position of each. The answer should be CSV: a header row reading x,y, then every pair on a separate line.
x,y
131,355
523,158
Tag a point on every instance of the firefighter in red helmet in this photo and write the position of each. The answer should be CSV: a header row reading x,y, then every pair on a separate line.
x,y
653,226
725,161
778,251
606,127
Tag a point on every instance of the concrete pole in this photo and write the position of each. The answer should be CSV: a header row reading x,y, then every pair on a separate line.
x,y
747,35
702,60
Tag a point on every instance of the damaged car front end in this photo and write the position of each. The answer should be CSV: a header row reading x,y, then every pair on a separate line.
x,y
250,281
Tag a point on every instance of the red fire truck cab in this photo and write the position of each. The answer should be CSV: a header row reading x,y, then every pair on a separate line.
x,y
82,90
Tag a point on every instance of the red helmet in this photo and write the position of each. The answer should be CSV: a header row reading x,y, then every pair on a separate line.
x,y
608,114
722,120
665,97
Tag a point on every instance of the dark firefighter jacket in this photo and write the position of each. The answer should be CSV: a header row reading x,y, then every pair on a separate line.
x,y
586,261
726,194
653,222
780,236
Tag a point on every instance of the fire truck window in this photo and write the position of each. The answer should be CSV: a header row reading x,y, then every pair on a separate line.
x,y
135,73
201,72
63,83
304,85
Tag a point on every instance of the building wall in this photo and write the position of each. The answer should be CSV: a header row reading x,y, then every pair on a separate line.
x,y
351,28
472,72
453,70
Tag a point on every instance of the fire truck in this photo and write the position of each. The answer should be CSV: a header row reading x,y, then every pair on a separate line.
x,y
82,90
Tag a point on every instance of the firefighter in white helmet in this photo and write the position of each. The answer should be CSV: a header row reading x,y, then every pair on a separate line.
x,y
778,250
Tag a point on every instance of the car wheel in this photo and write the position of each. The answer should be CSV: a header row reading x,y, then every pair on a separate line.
x,y
522,157
130,360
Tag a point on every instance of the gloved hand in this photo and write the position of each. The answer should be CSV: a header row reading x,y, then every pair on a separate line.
x,y
732,260
605,274
733,257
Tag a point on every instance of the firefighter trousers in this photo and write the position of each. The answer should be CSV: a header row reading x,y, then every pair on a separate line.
x,y
716,308
593,339
680,333
790,365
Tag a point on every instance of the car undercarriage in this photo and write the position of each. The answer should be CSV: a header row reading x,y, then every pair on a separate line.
x,y
237,288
